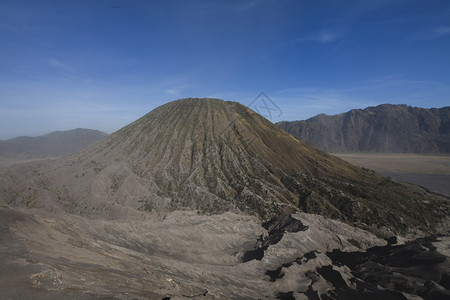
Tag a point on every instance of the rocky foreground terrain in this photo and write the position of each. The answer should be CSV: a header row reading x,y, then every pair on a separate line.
x,y
384,128
229,256
205,199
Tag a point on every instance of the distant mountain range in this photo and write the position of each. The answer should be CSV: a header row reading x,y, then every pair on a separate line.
x,y
54,144
384,128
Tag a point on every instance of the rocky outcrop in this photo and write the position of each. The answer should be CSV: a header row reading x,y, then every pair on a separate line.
x,y
276,228
415,268
384,128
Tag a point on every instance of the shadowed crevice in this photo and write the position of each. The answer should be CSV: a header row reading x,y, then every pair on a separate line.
x,y
276,228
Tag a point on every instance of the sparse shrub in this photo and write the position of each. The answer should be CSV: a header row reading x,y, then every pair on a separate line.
x,y
148,206
30,200
355,243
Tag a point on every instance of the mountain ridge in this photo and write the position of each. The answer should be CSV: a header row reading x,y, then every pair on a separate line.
x,y
50,145
382,128
216,156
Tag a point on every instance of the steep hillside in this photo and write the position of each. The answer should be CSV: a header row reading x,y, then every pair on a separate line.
x,y
384,128
54,144
216,156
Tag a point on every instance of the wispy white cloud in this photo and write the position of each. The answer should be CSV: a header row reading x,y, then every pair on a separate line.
x,y
177,90
247,5
442,31
325,36
59,65
431,34
305,102
322,36
56,63
399,80
301,105
208,7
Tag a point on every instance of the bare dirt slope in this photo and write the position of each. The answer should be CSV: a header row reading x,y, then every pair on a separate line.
x,y
216,156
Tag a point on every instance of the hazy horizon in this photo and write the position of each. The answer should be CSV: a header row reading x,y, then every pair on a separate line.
x,y
104,64
262,112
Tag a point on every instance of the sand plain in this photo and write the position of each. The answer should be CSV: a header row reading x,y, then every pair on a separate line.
x,y
426,170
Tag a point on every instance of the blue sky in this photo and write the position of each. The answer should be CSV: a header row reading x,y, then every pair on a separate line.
x,y
102,64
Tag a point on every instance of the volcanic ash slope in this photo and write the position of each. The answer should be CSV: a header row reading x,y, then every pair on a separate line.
x,y
216,156
173,205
